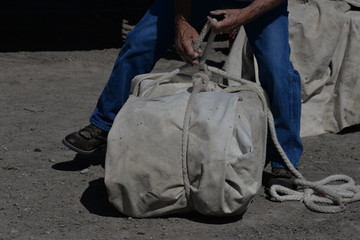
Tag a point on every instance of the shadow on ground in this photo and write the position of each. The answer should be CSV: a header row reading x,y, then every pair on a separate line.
x,y
95,200
81,162
351,129
95,197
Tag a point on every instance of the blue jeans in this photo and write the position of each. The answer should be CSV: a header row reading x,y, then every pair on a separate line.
x,y
268,37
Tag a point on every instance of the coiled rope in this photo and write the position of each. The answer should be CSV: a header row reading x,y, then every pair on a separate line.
x,y
328,195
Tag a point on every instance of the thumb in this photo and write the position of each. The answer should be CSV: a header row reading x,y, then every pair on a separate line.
x,y
214,24
217,12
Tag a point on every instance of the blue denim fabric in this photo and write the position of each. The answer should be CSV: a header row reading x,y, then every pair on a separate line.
x,y
268,37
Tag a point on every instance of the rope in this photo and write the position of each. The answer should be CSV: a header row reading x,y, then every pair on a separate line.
x,y
168,76
325,196
200,81
321,196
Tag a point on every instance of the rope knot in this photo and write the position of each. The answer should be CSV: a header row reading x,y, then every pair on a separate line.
x,y
306,195
201,79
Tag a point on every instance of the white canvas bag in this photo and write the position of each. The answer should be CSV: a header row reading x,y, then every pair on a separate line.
x,y
183,143
188,151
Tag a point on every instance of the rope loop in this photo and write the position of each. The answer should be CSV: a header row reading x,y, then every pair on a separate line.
x,y
325,196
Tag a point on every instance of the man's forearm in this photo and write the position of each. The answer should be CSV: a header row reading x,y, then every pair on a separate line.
x,y
259,7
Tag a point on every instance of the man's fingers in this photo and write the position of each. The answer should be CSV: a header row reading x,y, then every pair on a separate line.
x,y
189,60
212,22
188,55
189,50
218,12
192,54
215,26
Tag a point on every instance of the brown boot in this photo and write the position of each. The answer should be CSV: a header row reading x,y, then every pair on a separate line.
x,y
87,140
280,176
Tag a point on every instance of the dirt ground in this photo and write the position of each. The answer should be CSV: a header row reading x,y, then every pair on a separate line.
x,y
50,192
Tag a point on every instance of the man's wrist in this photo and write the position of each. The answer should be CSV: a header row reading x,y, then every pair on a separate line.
x,y
180,19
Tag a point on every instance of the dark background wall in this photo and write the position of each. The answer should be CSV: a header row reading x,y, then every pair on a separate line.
x,y
39,25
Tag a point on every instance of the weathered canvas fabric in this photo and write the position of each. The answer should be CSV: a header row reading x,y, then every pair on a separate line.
x,y
324,37
161,160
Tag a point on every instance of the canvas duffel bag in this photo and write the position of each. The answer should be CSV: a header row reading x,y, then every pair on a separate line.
x,y
183,144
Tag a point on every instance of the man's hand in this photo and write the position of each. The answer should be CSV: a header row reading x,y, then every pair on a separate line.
x,y
185,34
233,19
185,38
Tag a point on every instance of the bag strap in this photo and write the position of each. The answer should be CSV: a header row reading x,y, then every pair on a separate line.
x,y
199,80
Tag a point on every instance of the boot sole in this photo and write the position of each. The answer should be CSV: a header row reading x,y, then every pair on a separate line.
x,y
78,150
